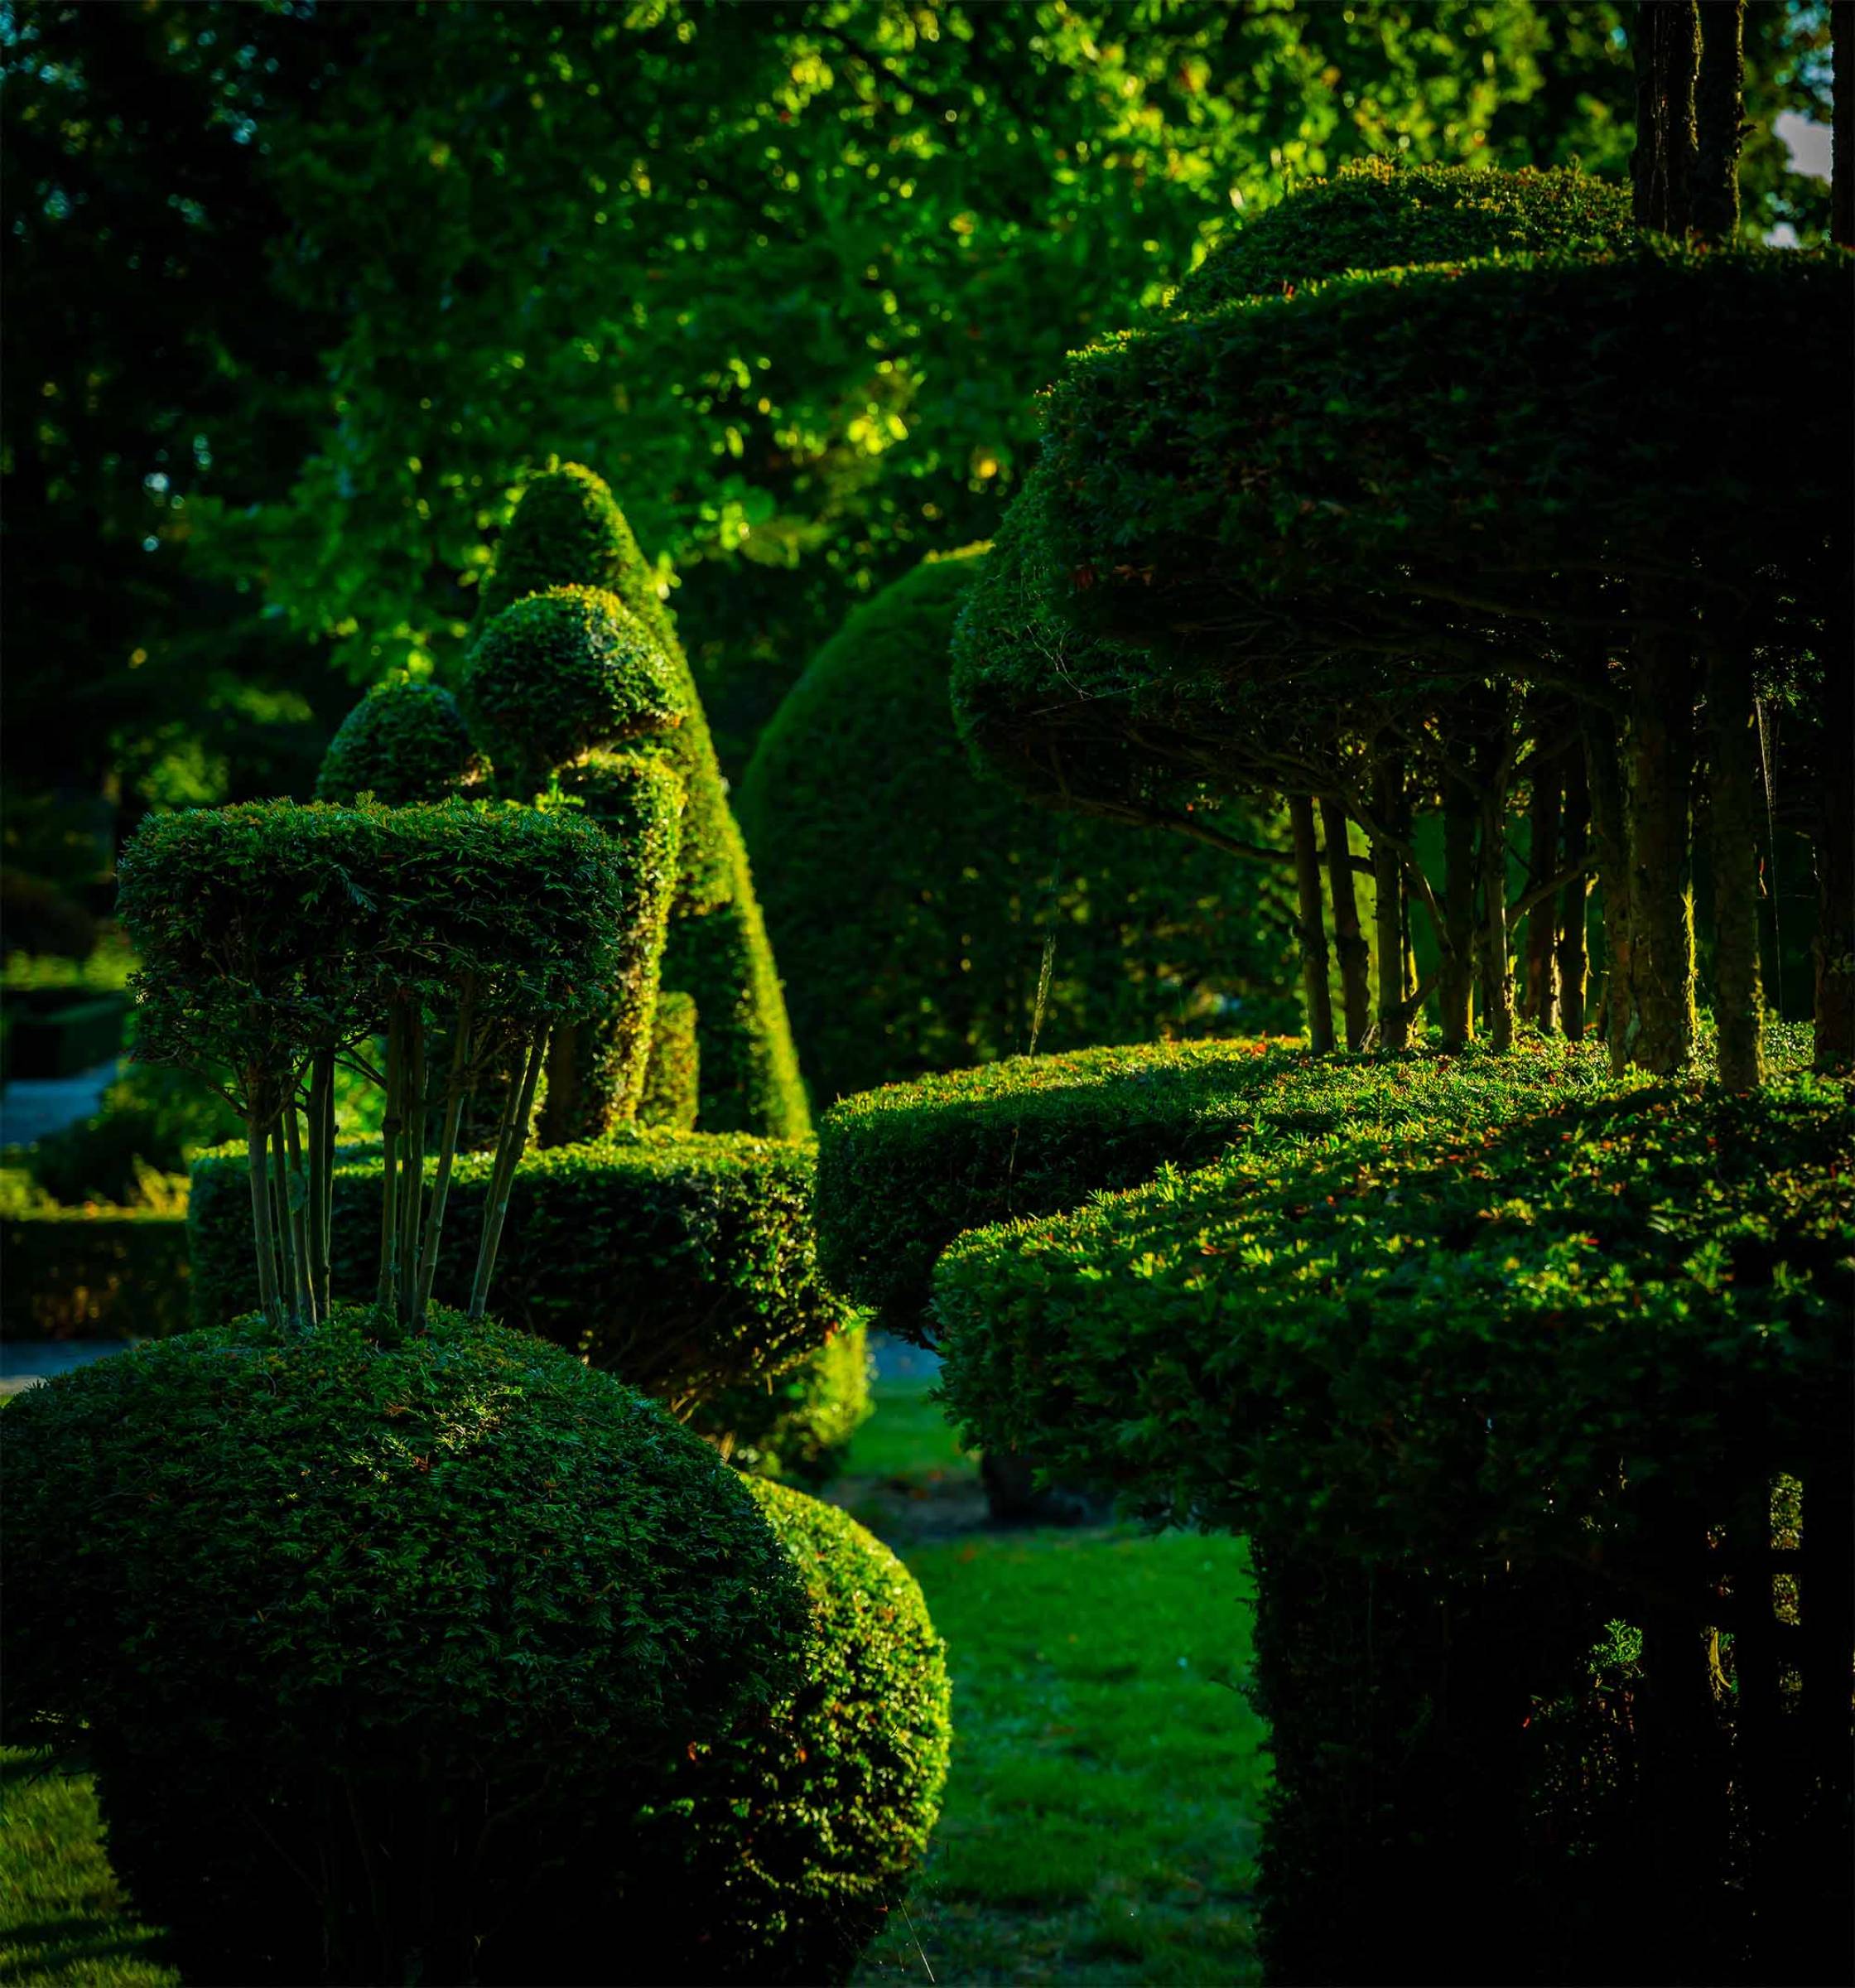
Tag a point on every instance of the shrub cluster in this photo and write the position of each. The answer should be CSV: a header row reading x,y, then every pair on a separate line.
x,y
683,1264
797,1426
402,742
434,1586
911,901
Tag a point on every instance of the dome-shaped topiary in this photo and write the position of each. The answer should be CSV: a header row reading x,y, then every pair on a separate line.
x,y
402,742
909,900
331,1607
557,673
774,1854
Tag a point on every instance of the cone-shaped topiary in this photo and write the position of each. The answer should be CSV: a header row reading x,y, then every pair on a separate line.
x,y
328,1609
403,742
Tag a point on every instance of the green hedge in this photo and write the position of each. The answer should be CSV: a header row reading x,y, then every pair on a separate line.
x,y
682,1264
797,1426
774,1854
1499,1354
672,1072
93,1273
910,899
49,1038
904,1170
402,742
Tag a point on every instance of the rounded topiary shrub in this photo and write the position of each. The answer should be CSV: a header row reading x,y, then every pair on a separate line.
x,y
909,901
402,742
325,1611
772,1855
556,674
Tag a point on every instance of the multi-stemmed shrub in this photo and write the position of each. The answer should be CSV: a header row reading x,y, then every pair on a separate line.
x,y
927,918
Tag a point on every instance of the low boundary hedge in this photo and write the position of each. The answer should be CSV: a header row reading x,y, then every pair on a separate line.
x,y
682,1263
84,1273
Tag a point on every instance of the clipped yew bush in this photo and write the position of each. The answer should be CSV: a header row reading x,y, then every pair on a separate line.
x,y
911,901
327,1610
403,742
773,1853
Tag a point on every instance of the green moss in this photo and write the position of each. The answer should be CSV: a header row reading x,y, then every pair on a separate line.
x,y
911,901
402,742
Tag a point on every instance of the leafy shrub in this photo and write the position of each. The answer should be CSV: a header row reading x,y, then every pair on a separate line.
x,y
331,1608
1482,1362
96,1272
672,1073
402,742
797,1426
910,901
557,673
680,1264
595,1073
773,1854
904,1170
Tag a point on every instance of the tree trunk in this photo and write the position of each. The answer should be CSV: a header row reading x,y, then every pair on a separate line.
x,y
1610,829
1356,959
1388,893
1312,927
1456,982
1497,972
1667,62
1540,1003
1719,107
1572,965
1734,827
1842,122
1661,897
1833,838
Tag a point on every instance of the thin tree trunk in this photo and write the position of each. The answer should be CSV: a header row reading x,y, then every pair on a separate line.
x,y
411,1191
321,1162
294,1270
1389,912
389,1173
1356,962
503,1178
1572,966
256,1144
456,1087
1456,984
1610,829
1719,108
1661,898
1312,927
1540,1003
1733,825
1667,62
301,1214
1497,972
1833,839
1842,125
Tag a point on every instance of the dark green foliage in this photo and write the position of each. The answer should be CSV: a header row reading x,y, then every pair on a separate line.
x,y
37,917
672,1074
153,1121
1479,1353
749,1076
379,1595
774,1854
797,1426
904,1170
911,901
680,1264
60,1037
93,1273
403,742
556,674
1379,215
596,1073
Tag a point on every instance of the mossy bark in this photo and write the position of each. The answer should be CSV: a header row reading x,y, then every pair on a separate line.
x,y
1456,983
1349,937
1719,106
1733,824
1661,897
1312,927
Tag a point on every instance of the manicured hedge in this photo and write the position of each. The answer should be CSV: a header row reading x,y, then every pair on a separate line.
x,y
321,1608
402,742
93,1273
1502,1354
910,899
672,1073
682,1264
774,1854
904,1170
797,1426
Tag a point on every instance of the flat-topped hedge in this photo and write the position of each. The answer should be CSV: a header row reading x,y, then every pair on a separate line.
x,y
683,1263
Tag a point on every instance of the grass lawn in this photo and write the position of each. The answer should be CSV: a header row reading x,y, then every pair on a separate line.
x,y
1101,1820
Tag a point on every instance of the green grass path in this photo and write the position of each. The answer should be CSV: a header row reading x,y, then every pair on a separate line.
x,y
1100,1818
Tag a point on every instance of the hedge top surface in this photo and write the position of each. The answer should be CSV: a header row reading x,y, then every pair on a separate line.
x,y
1378,215
402,742
466,1543
558,672
267,930
1465,1329
1414,460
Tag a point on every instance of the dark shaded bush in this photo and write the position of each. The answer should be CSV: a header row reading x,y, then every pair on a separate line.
x,y
672,1073
1485,1355
103,1272
680,1264
911,901
773,1854
904,1170
37,917
402,742
797,1426
327,1609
